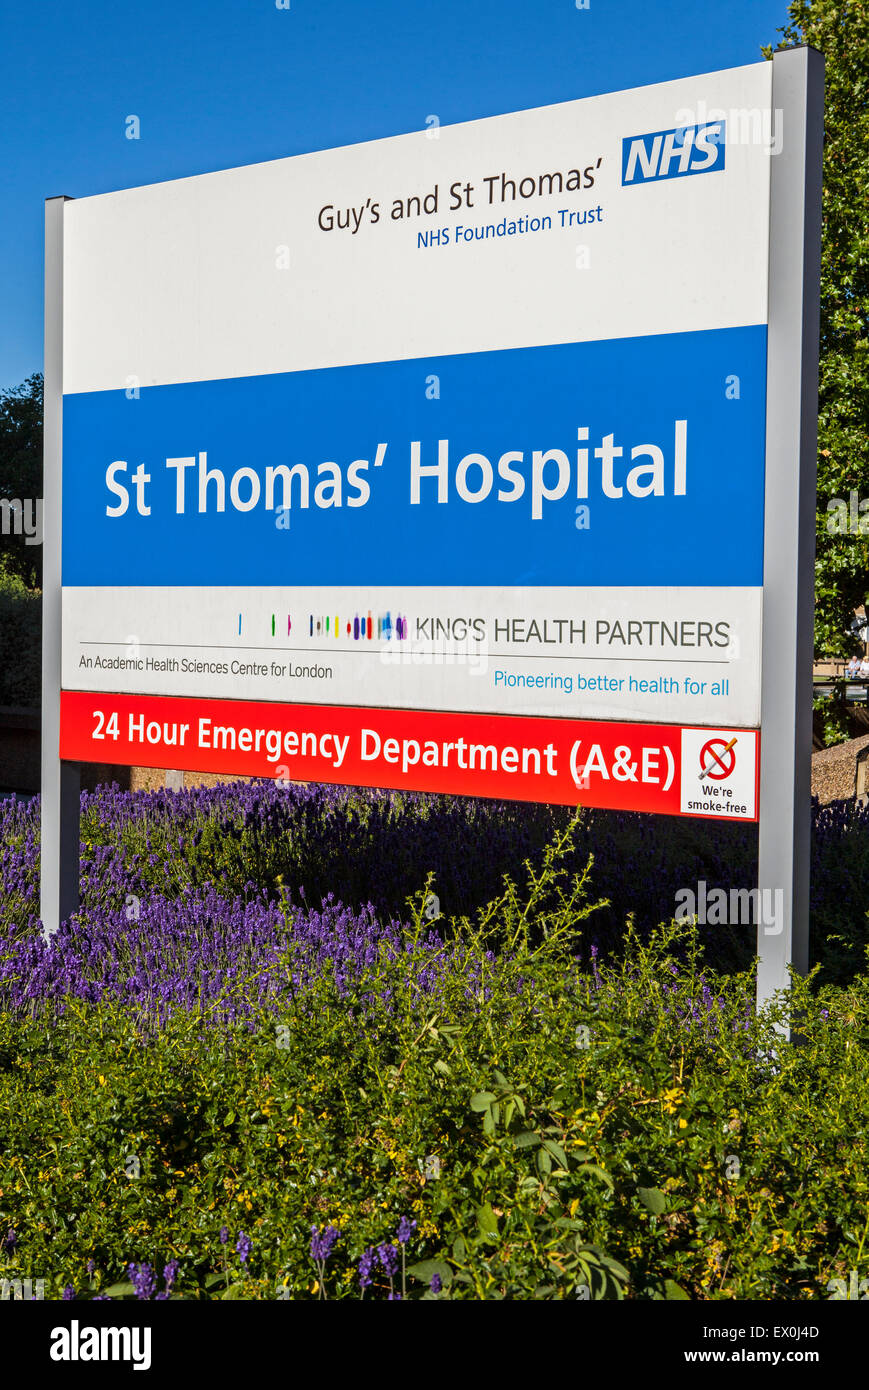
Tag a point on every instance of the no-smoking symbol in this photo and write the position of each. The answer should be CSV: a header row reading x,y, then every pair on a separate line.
x,y
717,759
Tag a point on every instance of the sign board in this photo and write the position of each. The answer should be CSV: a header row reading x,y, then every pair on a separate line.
x,y
473,423
442,450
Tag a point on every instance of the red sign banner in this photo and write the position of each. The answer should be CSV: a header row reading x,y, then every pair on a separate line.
x,y
619,766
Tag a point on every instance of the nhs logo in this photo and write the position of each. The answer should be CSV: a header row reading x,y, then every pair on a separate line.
x,y
672,154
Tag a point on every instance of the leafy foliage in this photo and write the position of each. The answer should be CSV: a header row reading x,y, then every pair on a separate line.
x,y
20,640
625,1129
21,470
841,32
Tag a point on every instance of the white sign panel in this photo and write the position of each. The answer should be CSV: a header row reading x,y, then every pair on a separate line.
x,y
466,423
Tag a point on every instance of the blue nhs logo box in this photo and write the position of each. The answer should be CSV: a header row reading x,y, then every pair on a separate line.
x,y
673,154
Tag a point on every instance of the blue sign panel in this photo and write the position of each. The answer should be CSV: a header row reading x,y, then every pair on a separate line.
x,y
627,462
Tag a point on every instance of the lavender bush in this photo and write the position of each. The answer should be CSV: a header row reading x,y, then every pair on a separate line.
x,y
247,1041
259,843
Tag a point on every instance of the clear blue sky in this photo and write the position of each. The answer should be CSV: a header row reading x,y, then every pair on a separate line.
x,y
217,83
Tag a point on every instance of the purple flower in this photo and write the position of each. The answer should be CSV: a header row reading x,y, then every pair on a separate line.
x,y
68,1293
170,1273
406,1228
102,1298
243,1247
91,1266
323,1245
143,1279
11,1240
594,953
436,1283
366,1265
388,1257
224,1235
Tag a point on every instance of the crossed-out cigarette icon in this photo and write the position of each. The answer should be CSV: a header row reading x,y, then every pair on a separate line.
x,y
716,758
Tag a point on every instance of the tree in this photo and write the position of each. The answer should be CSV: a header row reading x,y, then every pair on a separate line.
x,y
21,474
840,30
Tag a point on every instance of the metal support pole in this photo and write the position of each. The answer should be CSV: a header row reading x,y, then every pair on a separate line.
x,y
59,856
789,531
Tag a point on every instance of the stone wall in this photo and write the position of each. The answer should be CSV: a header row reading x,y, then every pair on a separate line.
x,y
834,770
153,778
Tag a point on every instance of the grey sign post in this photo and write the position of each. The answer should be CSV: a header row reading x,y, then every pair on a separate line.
x,y
789,529
59,829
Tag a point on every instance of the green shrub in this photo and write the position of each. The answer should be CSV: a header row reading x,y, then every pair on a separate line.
x,y
20,641
633,1131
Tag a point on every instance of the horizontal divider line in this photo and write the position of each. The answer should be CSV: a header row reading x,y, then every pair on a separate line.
x,y
372,651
